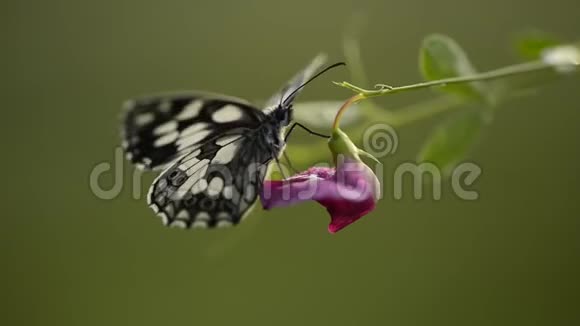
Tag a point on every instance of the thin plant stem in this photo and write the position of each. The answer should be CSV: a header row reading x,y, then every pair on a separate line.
x,y
343,108
425,110
522,68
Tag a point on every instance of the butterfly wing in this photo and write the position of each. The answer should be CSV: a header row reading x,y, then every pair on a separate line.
x,y
159,129
295,82
216,184
218,164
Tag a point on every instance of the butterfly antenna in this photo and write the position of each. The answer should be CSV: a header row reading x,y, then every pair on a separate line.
x,y
313,78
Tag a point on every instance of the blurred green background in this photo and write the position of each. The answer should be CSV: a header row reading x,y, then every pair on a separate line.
x,y
69,258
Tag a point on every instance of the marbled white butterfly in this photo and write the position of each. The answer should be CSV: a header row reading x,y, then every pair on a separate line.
x,y
215,150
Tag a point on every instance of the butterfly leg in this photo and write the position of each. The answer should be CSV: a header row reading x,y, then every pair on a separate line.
x,y
305,128
280,167
267,161
287,159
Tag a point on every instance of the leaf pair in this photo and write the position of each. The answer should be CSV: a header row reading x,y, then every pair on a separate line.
x,y
442,58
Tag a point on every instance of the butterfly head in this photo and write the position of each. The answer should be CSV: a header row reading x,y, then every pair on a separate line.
x,y
283,114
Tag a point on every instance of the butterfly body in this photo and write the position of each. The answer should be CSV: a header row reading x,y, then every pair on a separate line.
x,y
276,122
214,151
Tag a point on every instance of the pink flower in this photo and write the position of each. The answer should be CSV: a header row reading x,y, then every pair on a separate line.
x,y
348,192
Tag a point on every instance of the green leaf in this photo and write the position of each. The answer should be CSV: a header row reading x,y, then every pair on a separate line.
x,y
441,57
450,142
530,44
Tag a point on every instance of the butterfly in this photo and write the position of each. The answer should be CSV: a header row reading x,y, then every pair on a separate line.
x,y
214,150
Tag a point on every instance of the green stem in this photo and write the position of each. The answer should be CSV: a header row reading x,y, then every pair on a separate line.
x,y
348,103
523,68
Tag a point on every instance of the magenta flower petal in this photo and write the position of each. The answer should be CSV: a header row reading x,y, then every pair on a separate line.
x,y
348,192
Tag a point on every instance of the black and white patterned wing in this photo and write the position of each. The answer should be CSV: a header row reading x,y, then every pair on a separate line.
x,y
218,150
296,82
159,129
216,184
